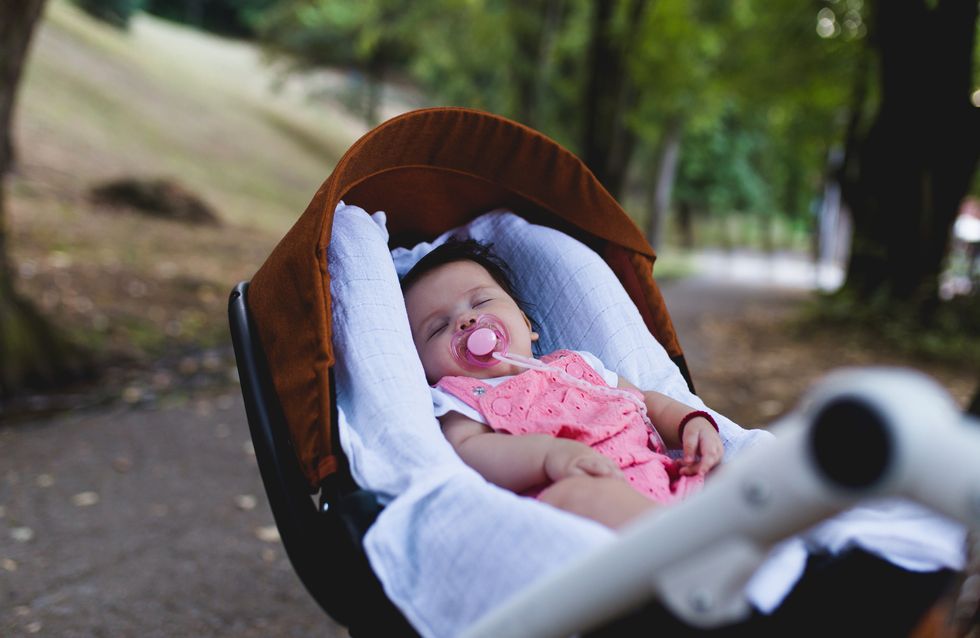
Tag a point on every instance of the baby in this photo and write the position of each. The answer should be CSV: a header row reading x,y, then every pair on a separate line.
x,y
563,428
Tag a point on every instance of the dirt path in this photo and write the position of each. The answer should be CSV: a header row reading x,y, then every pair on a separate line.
x,y
752,359
135,522
153,522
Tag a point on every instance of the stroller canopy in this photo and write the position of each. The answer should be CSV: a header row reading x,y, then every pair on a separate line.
x,y
430,170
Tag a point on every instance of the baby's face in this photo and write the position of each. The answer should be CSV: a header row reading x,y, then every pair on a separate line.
x,y
445,299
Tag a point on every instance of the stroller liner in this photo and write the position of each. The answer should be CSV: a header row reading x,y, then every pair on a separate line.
x,y
431,170
292,290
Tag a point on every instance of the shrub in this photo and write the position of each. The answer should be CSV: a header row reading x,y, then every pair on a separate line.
x,y
115,12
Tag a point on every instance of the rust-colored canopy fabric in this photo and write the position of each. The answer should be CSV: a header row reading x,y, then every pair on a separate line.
x,y
430,170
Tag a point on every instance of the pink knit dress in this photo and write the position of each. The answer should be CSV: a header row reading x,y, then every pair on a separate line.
x,y
543,402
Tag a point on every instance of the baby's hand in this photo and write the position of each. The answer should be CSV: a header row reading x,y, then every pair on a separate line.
x,y
569,458
700,440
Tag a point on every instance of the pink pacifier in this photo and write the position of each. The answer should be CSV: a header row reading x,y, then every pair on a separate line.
x,y
476,344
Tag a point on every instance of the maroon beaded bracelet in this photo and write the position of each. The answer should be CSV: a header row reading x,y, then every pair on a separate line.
x,y
693,415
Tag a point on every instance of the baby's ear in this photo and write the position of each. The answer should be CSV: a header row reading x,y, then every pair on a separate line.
x,y
534,335
527,321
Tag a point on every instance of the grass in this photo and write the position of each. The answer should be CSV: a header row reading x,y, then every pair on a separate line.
x,y
673,263
162,100
157,101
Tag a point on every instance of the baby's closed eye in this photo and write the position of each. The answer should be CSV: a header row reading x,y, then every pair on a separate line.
x,y
437,330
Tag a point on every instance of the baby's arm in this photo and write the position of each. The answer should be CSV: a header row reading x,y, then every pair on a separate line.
x,y
519,463
700,437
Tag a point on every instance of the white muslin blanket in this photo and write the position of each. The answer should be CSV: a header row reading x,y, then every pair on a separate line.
x,y
449,546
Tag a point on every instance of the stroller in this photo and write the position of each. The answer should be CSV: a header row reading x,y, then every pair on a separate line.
x,y
434,170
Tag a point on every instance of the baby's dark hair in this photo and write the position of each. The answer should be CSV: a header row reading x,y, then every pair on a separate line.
x,y
456,249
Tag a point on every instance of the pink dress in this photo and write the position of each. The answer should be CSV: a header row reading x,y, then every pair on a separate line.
x,y
543,402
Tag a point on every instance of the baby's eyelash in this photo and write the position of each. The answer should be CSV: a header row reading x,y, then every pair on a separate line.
x,y
480,303
437,331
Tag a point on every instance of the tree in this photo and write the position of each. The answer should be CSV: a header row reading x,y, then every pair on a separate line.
x,y
906,174
31,352
229,17
749,75
17,20
674,64
115,12
374,37
610,92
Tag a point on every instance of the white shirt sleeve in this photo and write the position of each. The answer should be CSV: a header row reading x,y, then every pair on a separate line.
x,y
610,377
443,402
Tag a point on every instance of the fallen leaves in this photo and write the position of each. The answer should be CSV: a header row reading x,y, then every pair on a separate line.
x,y
21,534
122,464
85,499
267,534
246,502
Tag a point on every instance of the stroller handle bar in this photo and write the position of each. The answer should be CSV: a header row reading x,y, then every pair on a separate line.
x,y
859,434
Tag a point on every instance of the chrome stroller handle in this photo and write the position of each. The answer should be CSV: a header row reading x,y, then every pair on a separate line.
x,y
858,434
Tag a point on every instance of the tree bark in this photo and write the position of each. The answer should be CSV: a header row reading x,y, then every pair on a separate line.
x,y
663,183
909,173
32,354
685,224
607,141
534,25
17,20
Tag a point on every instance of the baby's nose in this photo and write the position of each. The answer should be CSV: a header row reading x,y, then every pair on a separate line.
x,y
466,322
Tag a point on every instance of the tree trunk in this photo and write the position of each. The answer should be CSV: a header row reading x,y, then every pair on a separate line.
x,y
685,224
17,20
909,173
607,141
374,83
534,25
663,183
31,353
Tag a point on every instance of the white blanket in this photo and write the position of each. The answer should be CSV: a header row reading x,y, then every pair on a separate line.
x,y
449,546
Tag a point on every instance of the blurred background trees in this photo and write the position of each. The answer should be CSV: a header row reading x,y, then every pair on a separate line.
x,y
721,122
909,167
626,85
704,110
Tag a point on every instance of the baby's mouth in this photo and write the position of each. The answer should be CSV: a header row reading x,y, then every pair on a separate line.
x,y
476,345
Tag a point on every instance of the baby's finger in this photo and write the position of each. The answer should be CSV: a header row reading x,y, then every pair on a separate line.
x,y
690,442
597,466
711,458
690,470
712,453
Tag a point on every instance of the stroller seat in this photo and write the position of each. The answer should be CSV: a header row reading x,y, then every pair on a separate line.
x,y
304,345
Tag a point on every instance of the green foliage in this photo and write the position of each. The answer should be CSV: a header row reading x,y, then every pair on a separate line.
x,y
719,170
115,12
368,34
950,334
761,96
374,37
228,17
